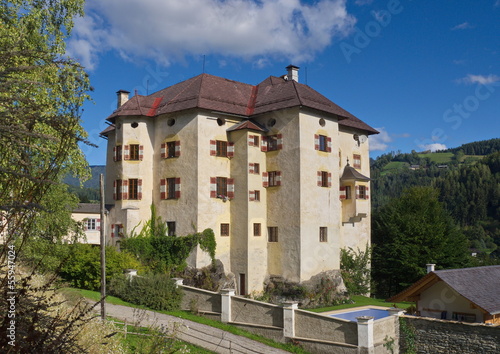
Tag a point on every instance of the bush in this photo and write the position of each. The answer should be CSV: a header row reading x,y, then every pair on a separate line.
x,y
82,268
157,291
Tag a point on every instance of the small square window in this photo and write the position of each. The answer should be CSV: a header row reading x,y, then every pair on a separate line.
x,y
257,195
224,229
348,192
255,140
256,168
323,234
324,179
170,149
362,192
272,143
222,186
133,188
256,229
91,224
170,188
273,180
272,233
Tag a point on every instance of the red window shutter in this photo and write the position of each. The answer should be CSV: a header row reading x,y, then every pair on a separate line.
x,y
251,167
342,193
251,196
126,155
230,149
213,187
141,152
328,144
280,141
120,230
250,140
329,179
213,148
278,178
98,225
177,148
319,179
139,189
125,189
265,179
177,188
316,142
366,193
263,144
112,230
163,150
163,188
85,224
357,192
114,190
230,188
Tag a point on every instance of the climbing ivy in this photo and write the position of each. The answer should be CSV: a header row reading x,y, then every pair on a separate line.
x,y
408,335
162,253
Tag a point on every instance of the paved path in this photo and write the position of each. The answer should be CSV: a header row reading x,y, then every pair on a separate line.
x,y
204,336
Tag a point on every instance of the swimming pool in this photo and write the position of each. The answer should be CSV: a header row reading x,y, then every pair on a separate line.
x,y
351,315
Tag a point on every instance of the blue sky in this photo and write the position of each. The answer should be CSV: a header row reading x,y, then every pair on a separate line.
x,y
425,73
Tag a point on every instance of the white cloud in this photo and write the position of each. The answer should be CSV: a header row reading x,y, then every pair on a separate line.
x,y
380,141
479,79
433,147
166,31
465,25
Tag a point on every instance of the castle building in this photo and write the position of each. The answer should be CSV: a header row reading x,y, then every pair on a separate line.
x,y
277,170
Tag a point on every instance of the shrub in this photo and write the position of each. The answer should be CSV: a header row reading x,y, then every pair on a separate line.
x,y
82,268
156,291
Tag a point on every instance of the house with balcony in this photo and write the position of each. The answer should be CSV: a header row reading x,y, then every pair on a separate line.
x,y
277,170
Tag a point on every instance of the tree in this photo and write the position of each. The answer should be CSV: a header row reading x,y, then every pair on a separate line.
x,y
41,93
410,232
355,269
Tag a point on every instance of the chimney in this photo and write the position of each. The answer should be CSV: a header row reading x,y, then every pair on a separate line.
x,y
430,267
293,73
122,96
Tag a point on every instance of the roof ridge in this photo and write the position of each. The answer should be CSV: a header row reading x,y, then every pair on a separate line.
x,y
297,92
193,79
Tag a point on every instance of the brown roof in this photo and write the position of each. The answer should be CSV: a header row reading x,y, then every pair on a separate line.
x,y
479,285
248,124
90,208
218,94
350,174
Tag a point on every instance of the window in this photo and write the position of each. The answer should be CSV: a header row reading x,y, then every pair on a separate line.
x,y
356,161
256,140
254,196
117,156
463,317
91,224
272,142
134,152
274,178
133,188
362,192
171,228
324,179
171,149
170,188
221,186
322,143
323,234
272,234
224,229
256,168
348,194
221,148
118,189
256,229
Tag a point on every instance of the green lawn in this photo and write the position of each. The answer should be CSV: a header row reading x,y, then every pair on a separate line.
x,y
363,301
394,166
438,157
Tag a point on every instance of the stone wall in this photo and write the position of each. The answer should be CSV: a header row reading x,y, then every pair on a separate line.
x,y
200,300
316,326
437,336
256,312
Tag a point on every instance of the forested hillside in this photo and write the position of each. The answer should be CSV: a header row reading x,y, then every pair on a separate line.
x,y
467,179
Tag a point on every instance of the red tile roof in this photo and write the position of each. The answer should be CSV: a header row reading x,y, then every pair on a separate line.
x,y
218,94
